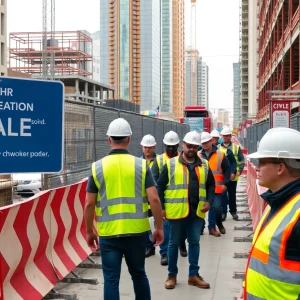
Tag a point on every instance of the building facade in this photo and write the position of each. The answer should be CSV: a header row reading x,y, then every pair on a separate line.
x,y
203,83
166,56
191,78
196,79
278,49
178,57
130,55
236,95
3,38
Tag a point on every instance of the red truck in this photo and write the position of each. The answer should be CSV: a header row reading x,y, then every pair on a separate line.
x,y
198,117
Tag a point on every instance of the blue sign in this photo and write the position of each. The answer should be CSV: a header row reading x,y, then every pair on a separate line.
x,y
31,126
195,124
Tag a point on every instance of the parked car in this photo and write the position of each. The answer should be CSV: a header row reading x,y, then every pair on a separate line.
x,y
29,184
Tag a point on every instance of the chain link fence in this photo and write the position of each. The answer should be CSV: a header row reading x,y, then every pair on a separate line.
x,y
86,140
252,135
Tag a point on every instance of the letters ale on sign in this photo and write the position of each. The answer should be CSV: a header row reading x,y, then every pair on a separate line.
x,y
280,114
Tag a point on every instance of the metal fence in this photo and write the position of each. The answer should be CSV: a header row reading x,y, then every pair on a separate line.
x,y
254,133
86,140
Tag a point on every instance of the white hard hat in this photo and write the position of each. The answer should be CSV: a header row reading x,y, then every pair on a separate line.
x,y
148,141
280,143
192,137
226,131
205,137
171,138
215,133
119,127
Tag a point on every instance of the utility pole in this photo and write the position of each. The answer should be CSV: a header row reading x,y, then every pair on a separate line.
x,y
48,58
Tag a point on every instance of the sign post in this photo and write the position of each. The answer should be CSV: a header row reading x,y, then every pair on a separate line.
x,y
31,126
280,114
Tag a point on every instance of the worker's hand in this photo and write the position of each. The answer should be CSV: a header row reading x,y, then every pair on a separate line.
x,y
157,237
164,214
241,295
92,240
238,173
232,176
224,188
205,207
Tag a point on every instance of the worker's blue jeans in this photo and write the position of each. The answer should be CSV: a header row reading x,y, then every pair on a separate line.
x,y
133,248
215,212
164,246
190,227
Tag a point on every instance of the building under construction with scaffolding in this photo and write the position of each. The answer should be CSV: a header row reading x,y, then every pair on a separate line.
x,y
69,52
278,50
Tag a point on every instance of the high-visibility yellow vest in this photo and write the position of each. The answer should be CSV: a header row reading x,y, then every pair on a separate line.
x,y
215,162
162,159
235,150
176,193
122,205
269,274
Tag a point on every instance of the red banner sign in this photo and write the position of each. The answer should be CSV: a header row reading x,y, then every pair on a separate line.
x,y
280,114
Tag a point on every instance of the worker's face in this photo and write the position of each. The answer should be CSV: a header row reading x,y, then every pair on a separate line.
x,y
215,140
190,150
171,150
268,172
148,151
207,146
226,138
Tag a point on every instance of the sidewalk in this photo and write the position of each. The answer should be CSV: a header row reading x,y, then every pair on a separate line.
x,y
217,266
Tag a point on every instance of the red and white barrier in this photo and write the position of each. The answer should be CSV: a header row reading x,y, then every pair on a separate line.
x,y
41,241
255,202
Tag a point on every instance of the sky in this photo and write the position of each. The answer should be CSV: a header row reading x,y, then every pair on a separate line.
x,y
217,34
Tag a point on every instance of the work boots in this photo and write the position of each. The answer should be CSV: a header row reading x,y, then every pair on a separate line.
x,y
198,281
214,232
221,228
182,250
171,282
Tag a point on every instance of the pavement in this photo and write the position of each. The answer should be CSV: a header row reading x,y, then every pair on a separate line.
x,y
217,266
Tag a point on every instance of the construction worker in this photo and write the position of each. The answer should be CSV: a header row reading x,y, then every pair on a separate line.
x,y
220,168
186,188
239,158
148,144
273,268
215,135
117,191
171,141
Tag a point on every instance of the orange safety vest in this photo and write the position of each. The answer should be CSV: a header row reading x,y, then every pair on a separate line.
x,y
215,162
269,275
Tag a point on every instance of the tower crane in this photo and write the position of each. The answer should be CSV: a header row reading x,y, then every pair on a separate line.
x,y
193,24
48,62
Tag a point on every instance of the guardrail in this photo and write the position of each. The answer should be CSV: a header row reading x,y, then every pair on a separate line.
x,y
42,240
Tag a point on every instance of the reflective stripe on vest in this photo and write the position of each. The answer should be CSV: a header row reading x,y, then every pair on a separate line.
x,y
176,193
235,150
278,278
122,205
215,162
162,159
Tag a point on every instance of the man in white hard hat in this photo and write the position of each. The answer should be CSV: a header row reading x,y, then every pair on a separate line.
x,y
171,142
220,168
148,144
215,135
273,268
186,188
239,157
117,191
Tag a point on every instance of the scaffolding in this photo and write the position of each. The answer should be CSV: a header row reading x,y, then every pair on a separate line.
x,y
70,50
